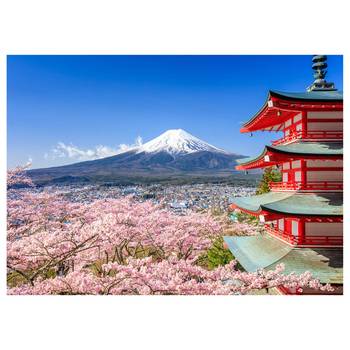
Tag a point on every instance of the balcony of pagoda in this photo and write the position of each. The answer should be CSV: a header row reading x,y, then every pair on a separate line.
x,y
333,241
309,136
309,186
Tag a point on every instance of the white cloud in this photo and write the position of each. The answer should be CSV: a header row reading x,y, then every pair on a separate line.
x,y
62,150
29,162
124,147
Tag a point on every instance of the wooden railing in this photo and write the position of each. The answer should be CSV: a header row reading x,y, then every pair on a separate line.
x,y
323,185
277,232
309,240
284,186
309,186
323,240
309,135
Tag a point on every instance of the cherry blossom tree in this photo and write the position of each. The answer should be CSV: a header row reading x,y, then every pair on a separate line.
x,y
17,176
118,246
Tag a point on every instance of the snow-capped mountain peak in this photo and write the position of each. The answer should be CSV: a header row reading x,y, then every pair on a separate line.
x,y
177,141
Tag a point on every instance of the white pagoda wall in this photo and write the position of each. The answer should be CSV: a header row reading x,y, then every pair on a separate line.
x,y
329,126
325,115
295,227
324,126
281,224
324,176
296,164
324,163
316,170
323,229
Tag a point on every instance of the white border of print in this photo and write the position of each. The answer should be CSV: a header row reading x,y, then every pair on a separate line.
x,y
170,27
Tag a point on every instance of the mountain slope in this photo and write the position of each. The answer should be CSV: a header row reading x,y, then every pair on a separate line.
x,y
173,153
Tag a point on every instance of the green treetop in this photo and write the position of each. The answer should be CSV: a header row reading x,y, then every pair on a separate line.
x,y
270,175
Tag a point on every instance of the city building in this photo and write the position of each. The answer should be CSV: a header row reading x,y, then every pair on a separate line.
x,y
303,214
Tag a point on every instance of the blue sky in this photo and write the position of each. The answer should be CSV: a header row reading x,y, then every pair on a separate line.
x,y
61,108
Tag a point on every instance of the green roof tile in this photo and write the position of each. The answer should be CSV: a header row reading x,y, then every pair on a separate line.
x,y
265,251
333,149
314,148
254,203
310,95
255,252
309,204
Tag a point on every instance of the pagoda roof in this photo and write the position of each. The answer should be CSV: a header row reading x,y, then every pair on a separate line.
x,y
299,148
328,96
265,251
293,203
279,106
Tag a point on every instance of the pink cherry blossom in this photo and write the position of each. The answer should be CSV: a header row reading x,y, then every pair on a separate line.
x,y
119,246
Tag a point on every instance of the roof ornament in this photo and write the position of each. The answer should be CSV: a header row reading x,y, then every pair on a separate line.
x,y
319,66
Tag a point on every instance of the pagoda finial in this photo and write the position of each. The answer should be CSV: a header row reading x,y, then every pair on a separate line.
x,y
319,66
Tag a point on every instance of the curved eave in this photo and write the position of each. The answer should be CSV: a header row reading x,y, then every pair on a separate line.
x,y
279,150
277,154
247,125
266,209
273,214
265,117
253,204
292,204
289,105
252,163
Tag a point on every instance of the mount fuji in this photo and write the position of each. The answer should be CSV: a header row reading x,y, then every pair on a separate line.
x,y
177,142
175,153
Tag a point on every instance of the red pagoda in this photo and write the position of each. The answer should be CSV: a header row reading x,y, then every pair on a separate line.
x,y
303,214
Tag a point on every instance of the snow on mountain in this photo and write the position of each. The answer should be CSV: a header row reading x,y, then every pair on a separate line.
x,y
177,142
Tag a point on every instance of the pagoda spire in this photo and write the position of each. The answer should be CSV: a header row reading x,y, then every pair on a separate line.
x,y
319,65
